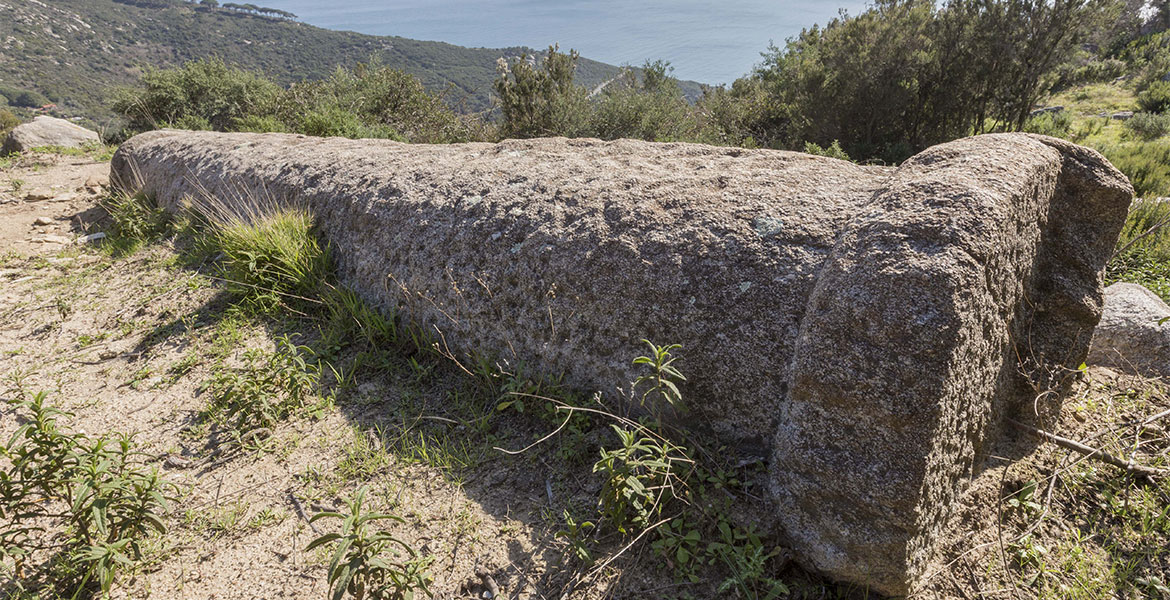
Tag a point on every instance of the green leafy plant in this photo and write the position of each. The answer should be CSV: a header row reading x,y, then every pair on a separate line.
x,y
137,219
368,563
638,477
96,489
538,100
833,150
1155,98
265,390
680,541
1024,499
1148,126
743,554
576,533
660,383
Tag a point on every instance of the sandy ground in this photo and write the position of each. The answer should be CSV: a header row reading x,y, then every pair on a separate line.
x,y
118,342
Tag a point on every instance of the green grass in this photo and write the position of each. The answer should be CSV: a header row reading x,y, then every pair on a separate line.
x,y
1144,258
271,259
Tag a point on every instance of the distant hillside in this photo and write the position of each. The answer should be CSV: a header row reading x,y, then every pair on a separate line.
x,y
74,52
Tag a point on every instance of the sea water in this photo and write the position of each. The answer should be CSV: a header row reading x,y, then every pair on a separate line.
x,y
709,42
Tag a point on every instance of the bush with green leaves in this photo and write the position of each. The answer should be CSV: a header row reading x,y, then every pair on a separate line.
x,y
23,97
371,100
334,121
97,490
1055,124
1146,164
8,122
538,97
1155,98
650,107
746,114
265,390
201,94
903,75
834,150
367,563
1092,70
1148,126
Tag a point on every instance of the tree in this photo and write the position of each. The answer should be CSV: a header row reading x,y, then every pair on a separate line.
x,y
206,92
906,74
542,100
210,3
652,108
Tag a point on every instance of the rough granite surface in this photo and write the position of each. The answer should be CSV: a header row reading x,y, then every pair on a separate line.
x,y
861,327
48,131
1134,333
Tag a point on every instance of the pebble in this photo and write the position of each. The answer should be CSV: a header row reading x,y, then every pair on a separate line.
x,y
43,221
54,239
97,181
178,462
35,196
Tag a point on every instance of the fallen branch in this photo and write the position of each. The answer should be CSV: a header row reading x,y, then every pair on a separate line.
x,y
1153,229
1096,453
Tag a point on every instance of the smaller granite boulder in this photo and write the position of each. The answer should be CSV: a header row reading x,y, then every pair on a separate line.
x,y
1134,333
48,131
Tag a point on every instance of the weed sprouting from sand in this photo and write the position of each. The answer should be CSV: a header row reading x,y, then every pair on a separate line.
x,y
96,489
368,563
269,387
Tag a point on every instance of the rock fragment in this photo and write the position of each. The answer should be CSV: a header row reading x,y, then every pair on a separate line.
x,y
48,131
1134,333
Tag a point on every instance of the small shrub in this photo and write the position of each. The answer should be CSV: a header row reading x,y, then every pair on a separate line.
x,y
746,114
1155,98
96,489
1148,126
743,554
202,94
639,478
1056,124
1093,71
1146,164
137,219
337,122
191,123
265,390
371,101
367,563
260,124
8,122
539,101
22,97
651,109
833,151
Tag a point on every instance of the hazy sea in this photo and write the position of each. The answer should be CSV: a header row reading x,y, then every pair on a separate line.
x,y
710,42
